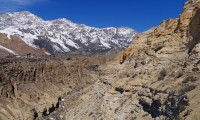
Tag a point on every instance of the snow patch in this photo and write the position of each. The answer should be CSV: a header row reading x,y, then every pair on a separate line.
x,y
8,50
105,44
8,36
61,43
47,53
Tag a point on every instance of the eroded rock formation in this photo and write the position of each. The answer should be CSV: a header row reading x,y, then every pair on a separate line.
x,y
29,87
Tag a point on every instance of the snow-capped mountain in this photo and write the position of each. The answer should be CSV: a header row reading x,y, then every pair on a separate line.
x,y
62,35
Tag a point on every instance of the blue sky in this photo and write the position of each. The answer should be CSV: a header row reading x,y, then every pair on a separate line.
x,y
137,14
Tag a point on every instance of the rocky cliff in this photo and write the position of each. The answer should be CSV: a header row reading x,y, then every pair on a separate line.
x,y
31,88
165,68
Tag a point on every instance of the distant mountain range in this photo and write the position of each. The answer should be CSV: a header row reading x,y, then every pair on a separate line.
x,y
62,35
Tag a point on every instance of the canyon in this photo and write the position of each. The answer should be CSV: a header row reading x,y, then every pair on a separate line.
x,y
155,78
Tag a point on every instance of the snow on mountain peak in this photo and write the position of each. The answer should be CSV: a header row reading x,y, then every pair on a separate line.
x,y
62,35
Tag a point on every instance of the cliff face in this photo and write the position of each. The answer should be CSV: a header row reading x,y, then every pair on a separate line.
x,y
165,68
33,87
172,36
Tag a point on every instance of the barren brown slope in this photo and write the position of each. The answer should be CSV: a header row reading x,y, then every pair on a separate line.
x,y
15,44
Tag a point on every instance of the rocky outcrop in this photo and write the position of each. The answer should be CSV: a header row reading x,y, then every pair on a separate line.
x,y
32,88
163,59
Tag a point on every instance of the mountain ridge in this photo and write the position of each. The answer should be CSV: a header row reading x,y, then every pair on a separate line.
x,y
62,35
